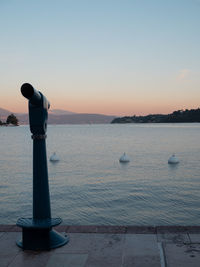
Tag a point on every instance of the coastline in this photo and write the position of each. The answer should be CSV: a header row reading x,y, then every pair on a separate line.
x,y
89,246
113,229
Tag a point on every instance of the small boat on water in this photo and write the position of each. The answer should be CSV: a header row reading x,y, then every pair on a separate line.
x,y
54,157
124,158
173,160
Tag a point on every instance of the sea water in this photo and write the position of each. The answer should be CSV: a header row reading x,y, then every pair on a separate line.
x,y
90,186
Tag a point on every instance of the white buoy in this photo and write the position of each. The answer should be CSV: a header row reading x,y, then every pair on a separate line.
x,y
124,158
54,157
173,159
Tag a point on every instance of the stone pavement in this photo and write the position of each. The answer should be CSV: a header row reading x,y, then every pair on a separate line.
x,y
112,246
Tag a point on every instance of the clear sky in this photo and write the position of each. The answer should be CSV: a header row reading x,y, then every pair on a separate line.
x,y
120,57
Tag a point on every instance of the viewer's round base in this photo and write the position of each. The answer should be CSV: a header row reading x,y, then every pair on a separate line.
x,y
34,239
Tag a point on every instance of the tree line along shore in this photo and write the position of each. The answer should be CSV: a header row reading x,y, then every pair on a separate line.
x,y
192,115
11,120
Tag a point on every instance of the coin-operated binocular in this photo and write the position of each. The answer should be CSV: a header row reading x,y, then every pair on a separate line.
x,y
37,233
38,109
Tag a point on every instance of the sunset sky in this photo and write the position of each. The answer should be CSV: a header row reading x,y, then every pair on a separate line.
x,y
120,57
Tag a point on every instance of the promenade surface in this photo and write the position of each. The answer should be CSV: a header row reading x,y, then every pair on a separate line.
x,y
108,246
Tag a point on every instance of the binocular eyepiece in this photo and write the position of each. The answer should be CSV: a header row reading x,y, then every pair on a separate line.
x,y
35,97
38,109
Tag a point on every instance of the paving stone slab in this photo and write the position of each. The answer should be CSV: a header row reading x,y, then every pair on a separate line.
x,y
30,259
193,229
99,260
108,243
194,238
141,261
78,242
107,251
8,248
184,255
141,244
1,234
175,238
102,249
140,250
67,260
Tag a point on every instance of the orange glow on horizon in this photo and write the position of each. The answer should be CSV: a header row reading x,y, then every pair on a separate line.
x,y
105,108
118,104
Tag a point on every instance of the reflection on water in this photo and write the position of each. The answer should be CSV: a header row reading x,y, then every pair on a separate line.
x,y
89,185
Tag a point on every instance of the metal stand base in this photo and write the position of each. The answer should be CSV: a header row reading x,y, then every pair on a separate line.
x,y
35,236
41,240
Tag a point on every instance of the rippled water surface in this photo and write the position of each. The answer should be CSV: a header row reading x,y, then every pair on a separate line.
x,y
89,185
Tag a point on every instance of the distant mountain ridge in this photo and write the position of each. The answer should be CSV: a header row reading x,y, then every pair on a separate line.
x,y
4,112
60,112
79,118
58,116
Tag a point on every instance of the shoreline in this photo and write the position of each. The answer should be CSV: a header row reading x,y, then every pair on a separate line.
x,y
113,229
104,245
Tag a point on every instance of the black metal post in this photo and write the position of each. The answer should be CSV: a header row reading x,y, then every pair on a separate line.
x,y
41,198
37,233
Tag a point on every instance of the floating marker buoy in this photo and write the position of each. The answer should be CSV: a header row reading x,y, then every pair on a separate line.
x,y
124,158
173,159
54,157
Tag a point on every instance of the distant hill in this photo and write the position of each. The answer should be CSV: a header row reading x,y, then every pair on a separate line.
x,y
192,115
78,118
58,116
60,112
4,113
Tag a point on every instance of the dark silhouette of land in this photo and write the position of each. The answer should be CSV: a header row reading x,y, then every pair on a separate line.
x,y
67,117
192,115
57,116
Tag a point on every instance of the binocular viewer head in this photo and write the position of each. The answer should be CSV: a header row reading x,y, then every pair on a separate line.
x,y
38,109
35,98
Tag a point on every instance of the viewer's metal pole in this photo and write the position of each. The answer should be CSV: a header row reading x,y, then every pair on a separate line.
x,y
37,233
